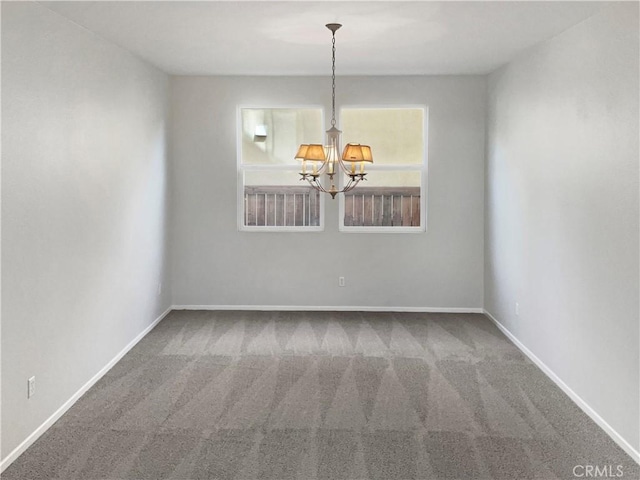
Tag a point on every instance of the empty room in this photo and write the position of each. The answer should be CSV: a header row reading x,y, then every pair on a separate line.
x,y
312,240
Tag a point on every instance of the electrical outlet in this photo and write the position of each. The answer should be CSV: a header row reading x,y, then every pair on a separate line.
x,y
341,281
517,309
31,387
159,288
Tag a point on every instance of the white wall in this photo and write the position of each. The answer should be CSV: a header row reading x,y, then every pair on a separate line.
x,y
562,209
83,209
215,264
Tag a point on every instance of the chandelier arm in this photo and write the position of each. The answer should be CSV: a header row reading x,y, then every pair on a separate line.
x,y
324,167
343,165
347,187
316,185
351,184
309,181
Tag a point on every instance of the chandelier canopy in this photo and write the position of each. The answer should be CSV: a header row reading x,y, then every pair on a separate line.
x,y
328,160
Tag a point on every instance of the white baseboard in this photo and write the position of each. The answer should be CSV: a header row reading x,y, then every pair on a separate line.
x,y
584,406
9,459
342,308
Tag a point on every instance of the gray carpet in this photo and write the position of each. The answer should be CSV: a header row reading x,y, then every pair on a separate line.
x,y
293,395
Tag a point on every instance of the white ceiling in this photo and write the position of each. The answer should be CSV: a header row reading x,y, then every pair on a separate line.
x,y
289,38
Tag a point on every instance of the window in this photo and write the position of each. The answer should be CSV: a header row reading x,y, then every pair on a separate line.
x,y
271,196
392,197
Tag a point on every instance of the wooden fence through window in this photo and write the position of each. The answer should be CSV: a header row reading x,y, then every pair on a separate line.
x,y
280,205
382,207
277,205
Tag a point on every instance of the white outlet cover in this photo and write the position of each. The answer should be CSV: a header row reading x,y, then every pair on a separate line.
x,y
31,387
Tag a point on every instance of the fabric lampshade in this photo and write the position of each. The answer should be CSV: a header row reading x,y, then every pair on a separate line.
x,y
354,152
314,153
302,151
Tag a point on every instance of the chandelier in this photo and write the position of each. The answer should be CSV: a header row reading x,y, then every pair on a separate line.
x,y
327,160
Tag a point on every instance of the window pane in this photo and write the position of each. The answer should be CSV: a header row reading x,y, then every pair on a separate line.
x,y
386,199
279,198
396,135
271,136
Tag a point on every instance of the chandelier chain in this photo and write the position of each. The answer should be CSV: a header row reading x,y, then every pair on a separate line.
x,y
333,81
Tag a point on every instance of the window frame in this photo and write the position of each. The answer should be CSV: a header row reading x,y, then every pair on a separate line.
x,y
421,168
241,169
